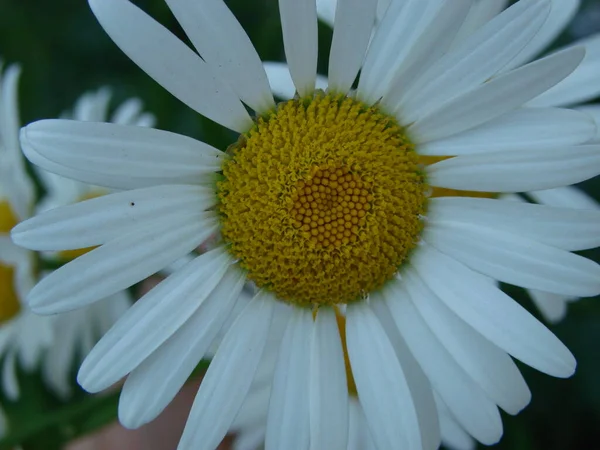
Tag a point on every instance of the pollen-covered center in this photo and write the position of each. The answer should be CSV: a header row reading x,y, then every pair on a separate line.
x,y
321,201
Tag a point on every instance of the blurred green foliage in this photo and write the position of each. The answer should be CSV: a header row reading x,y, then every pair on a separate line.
x,y
64,52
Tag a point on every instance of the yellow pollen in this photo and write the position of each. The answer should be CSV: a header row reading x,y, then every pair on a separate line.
x,y
9,301
322,200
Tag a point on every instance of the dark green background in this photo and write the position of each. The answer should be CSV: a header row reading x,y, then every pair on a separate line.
x,y
64,52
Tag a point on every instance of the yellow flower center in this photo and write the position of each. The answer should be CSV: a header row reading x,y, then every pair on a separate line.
x,y
9,301
322,201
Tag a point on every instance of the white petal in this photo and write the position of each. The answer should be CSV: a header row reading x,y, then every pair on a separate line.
x,y
525,128
382,388
593,111
127,113
495,97
394,38
472,407
418,383
521,171
223,43
288,416
552,306
582,85
566,197
492,369
250,439
328,388
92,106
481,13
427,49
492,313
171,63
281,82
351,34
155,382
9,110
568,229
516,260
299,25
99,220
454,437
119,264
326,11
229,376
469,65
10,383
123,152
152,320
561,14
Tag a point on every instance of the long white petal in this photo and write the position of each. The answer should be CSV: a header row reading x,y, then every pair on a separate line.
x,y
225,46
579,87
119,264
566,197
171,63
427,50
151,386
593,110
229,376
382,388
522,171
525,128
467,66
418,383
281,82
471,406
152,320
122,150
299,25
99,220
481,13
569,229
288,416
492,369
561,14
394,38
514,259
496,97
454,436
328,388
351,34
492,313
552,306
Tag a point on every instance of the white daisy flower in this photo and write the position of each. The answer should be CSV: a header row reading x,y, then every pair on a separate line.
x,y
577,88
23,335
323,204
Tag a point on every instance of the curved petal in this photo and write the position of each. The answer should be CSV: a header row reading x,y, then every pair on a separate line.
x,y
525,128
382,387
496,97
492,313
223,389
120,263
568,229
353,24
521,171
288,415
299,25
328,388
225,46
171,63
